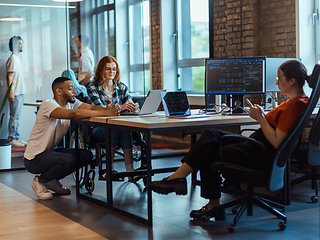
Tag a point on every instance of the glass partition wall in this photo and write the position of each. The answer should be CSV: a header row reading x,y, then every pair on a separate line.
x,y
42,26
48,28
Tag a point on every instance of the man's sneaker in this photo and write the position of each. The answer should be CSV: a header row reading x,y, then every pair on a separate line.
x,y
55,185
22,142
16,144
40,189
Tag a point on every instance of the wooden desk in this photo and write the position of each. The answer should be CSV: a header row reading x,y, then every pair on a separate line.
x,y
147,124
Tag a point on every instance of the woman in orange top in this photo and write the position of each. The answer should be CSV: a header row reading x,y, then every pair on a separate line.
x,y
274,127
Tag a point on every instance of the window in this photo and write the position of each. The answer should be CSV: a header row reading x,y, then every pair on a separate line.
x,y
97,21
192,43
42,26
139,46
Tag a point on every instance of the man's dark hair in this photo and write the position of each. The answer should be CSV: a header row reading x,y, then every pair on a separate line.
x,y
59,80
13,42
84,40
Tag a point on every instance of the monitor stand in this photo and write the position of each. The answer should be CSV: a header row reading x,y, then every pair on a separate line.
x,y
236,101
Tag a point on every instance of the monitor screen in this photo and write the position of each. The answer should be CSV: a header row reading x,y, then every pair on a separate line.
x,y
272,65
235,76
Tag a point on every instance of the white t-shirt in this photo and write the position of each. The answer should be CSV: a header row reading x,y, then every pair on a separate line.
x,y
47,132
86,64
14,65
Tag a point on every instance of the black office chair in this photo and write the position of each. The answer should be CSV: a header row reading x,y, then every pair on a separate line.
x,y
272,179
306,159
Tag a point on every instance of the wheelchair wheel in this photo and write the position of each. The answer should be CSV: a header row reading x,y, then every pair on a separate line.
x,y
82,145
89,185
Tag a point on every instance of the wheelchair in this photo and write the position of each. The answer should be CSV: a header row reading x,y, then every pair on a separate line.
x,y
86,141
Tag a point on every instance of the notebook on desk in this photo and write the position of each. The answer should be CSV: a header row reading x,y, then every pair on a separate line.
x,y
150,104
176,105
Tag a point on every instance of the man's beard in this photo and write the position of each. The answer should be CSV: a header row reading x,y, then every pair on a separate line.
x,y
69,99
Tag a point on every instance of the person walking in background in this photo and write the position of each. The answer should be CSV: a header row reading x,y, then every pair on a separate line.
x,y
15,77
85,60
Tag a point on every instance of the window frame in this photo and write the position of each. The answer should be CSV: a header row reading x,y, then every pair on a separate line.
x,y
88,18
190,62
144,66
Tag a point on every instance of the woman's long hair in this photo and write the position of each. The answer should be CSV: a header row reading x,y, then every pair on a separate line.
x,y
98,75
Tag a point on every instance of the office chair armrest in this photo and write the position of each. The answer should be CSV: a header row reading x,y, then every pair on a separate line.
x,y
247,130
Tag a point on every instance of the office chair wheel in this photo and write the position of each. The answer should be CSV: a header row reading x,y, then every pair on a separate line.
x,y
89,185
205,218
232,228
282,226
235,210
314,199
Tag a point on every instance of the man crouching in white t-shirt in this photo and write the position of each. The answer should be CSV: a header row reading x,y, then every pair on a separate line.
x,y
52,123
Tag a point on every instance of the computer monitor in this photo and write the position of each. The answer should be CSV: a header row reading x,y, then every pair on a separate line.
x,y
234,76
272,65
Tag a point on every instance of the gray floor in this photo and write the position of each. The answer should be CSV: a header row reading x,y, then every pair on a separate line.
x,y
171,212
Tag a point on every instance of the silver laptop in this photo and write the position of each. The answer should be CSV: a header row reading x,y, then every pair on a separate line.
x,y
150,104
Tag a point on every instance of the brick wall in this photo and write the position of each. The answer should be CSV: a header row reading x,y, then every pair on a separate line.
x,y
254,28
278,28
242,28
249,28
155,44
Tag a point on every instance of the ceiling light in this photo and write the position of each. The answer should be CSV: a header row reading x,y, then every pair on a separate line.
x,y
9,19
67,1
33,5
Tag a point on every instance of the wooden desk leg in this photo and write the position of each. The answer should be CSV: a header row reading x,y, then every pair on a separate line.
x,y
108,167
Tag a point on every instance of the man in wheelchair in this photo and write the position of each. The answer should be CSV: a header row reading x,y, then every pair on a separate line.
x,y
52,123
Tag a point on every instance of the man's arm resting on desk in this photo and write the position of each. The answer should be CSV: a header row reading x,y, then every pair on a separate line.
x,y
99,107
91,107
83,112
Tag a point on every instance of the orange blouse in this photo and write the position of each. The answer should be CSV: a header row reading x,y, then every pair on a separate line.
x,y
285,116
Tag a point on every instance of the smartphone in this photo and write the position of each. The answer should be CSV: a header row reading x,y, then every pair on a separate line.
x,y
248,101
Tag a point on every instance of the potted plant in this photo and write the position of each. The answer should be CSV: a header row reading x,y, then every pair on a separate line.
x,y
5,147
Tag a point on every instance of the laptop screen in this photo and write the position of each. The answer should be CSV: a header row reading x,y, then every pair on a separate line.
x,y
176,104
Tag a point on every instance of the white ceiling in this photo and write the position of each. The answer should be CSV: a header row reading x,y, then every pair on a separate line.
x,y
18,11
